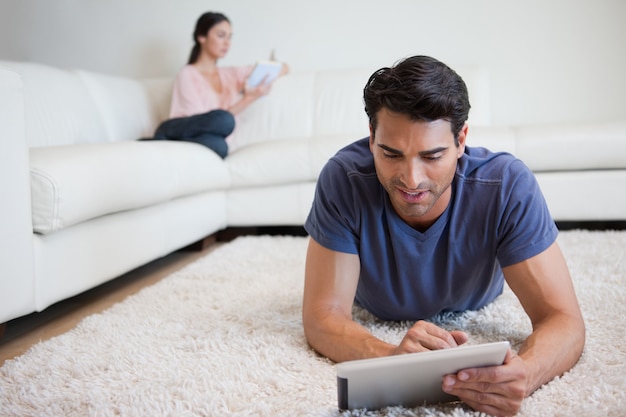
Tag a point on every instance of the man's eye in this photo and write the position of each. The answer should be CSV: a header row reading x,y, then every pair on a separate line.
x,y
433,157
390,155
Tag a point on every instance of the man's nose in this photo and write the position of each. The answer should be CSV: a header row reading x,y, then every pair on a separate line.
x,y
413,174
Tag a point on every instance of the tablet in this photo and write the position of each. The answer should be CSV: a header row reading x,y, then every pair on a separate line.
x,y
262,69
412,379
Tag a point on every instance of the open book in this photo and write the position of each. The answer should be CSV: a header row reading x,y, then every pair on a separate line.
x,y
266,71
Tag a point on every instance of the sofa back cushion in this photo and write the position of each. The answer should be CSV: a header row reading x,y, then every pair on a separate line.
x,y
285,113
67,107
125,105
58,109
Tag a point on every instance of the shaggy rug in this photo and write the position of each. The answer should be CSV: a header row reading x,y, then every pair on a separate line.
x,y
223,336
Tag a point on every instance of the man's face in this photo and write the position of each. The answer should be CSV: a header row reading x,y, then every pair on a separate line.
x,y
415,162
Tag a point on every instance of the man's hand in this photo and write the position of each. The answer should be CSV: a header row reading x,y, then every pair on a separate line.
x,y
495,390
425,336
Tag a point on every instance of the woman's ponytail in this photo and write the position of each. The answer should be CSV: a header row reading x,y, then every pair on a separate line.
x,y
195,52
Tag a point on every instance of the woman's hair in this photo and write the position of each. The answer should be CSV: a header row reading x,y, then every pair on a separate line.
x,y
422,88
203,25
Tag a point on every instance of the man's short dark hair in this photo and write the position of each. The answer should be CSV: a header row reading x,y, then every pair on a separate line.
x,y
422,88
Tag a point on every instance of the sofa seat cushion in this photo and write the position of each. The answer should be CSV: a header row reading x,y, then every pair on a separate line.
x,y
572,148
74,183
558,148
281,162
269,163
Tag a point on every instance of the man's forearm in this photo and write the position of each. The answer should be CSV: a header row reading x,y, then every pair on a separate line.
x,y
552,349
341,339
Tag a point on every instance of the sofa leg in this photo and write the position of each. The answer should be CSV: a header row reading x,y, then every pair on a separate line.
x,y
231,233
202,244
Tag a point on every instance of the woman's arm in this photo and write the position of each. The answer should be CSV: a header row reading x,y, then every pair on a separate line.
x,y
251,94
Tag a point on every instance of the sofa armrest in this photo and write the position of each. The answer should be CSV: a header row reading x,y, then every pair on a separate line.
x,y
17,277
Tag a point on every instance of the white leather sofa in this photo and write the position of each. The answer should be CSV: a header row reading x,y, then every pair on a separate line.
x,y
84,201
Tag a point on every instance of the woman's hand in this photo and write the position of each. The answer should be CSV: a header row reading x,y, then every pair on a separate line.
x,y
250,95
262,89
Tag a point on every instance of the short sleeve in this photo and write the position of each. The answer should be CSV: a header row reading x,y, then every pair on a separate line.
x,y
526,226
331,221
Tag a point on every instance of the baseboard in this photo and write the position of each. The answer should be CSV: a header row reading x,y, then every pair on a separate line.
x,y
592,225
231,233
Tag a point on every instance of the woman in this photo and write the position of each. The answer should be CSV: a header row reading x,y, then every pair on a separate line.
x,y
206,97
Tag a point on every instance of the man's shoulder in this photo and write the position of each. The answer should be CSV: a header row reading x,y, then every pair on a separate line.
x,y
350,174
481,164
355,157
358,148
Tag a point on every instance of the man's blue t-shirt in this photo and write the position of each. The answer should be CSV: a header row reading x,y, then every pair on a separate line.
x,y
497,217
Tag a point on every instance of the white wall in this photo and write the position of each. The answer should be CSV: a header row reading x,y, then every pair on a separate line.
x,y
550,61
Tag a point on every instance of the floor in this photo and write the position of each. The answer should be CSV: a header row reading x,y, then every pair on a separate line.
x,y
22,333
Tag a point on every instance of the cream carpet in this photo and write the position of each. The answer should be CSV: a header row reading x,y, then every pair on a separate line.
x,y
223,337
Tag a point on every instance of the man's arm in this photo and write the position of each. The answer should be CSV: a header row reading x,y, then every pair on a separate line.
x,y
331,280
545,290
544,287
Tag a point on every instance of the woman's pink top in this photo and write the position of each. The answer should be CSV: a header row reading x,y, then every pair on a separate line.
x,y
193,94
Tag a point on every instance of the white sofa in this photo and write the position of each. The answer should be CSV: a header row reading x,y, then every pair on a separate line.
x,y
84,201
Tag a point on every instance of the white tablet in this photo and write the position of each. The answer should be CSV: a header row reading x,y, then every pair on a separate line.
x,y
412,379
264,70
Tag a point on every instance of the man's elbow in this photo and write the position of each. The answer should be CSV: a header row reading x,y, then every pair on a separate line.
x,y
581,332
313,332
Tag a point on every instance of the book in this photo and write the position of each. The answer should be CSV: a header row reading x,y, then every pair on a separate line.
x,y
264,70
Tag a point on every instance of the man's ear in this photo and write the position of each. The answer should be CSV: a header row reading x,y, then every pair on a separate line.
x,y
462,137
371,138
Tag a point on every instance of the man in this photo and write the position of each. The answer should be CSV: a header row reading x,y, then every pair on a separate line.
x,y
411,222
